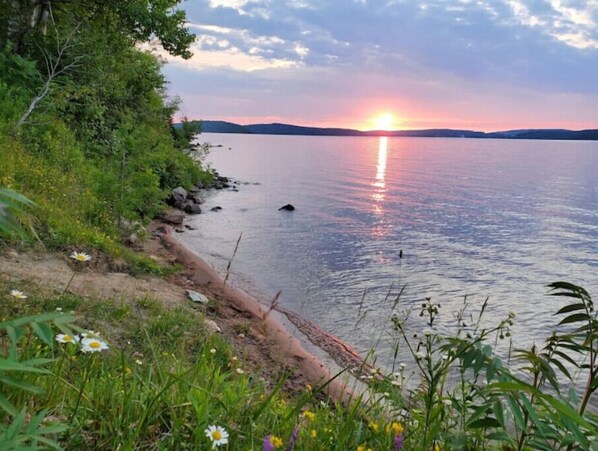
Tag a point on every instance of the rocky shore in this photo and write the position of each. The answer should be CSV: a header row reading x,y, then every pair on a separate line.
x,y
336,352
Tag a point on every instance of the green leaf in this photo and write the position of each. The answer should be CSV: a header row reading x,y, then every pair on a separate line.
x,y
561,367
569,287
484,423
566,410
48,442
532,414
57,317
571,308
566,357
577,317
7,405
44,332
37,362
12,365
499,436
54,428
516,411
497,408
20,384
35,422
17,424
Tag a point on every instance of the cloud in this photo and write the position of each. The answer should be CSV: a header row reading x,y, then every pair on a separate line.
x,y
316,54
572,23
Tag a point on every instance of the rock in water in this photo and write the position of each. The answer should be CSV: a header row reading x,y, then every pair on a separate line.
x,y
287,207
217,208
193,209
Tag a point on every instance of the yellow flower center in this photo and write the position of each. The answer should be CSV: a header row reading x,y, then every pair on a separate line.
x,y
67,338
216,435
95,344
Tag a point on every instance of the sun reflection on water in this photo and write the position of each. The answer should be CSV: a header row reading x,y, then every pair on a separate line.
x,y
380,228
380,183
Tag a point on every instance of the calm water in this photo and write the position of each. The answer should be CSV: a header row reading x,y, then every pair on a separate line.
x,y
482,218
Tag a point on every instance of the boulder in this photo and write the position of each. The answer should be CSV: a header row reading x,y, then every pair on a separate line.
x,y
195,198
193,209
287,207
174,218
178,194
197,297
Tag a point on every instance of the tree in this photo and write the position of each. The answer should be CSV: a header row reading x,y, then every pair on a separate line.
x,y
140,20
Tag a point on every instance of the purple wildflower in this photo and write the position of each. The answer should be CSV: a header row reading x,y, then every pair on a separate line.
x,y
398,442
293,439
268,446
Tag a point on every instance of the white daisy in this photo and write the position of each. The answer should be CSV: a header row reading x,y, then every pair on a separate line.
x,y
217,434
239,370
18,294
93,345
66,338
80,256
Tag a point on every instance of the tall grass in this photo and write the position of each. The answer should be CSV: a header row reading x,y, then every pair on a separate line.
x,y
163,380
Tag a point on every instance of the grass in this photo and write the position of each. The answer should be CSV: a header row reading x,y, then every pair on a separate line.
x,y
162,382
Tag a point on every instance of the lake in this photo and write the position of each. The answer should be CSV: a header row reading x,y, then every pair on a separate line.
x,y
473,217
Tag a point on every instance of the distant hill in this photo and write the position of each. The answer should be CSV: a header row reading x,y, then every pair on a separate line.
x,y
288,129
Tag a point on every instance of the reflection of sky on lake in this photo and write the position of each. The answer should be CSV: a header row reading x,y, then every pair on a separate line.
x,y
495,218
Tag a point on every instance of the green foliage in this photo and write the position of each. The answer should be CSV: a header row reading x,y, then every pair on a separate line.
x,y
97,148
18,365
164,380
12,213
185,132
530,403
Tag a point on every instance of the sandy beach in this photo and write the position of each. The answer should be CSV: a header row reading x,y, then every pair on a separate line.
x,y
276,340
254,328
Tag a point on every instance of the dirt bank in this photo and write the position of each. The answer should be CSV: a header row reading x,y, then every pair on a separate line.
x,y
257,335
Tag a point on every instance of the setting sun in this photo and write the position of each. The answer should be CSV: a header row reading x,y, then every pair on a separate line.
x,y
385,121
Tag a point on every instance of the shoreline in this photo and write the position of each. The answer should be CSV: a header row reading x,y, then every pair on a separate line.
x,y
288,348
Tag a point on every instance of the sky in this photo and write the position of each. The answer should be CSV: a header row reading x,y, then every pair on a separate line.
x,y
397,64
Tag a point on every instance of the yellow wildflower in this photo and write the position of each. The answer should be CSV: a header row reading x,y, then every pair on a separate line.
x,y
395,427
437,447
276,441
374,426
309,415
313,433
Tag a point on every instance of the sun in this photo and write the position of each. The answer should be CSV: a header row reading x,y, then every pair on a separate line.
x,y
385,122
